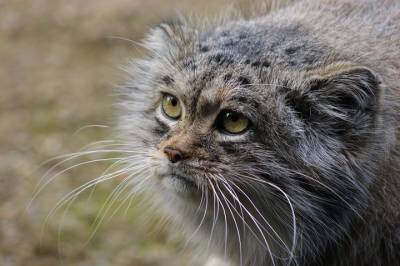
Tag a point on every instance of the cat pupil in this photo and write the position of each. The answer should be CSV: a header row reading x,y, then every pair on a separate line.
x,y
174,102
233,117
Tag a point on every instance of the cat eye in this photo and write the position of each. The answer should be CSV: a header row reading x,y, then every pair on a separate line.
x,y
171,106
233,122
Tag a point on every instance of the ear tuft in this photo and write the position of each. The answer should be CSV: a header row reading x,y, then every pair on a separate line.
x,y
168,37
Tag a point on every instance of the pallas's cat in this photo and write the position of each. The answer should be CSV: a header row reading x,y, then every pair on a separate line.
x,y
275,138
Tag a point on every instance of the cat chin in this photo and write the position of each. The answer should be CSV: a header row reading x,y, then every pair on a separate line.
x,y
179,185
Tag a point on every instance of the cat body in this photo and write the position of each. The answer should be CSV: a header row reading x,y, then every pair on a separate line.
x,y
313,176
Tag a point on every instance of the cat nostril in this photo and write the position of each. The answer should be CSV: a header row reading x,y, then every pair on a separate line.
x,y
173,155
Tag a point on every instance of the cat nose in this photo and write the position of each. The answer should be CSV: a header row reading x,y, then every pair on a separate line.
x,y
174,155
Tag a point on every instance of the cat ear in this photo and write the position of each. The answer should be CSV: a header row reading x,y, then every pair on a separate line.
x,y
168,37
341,98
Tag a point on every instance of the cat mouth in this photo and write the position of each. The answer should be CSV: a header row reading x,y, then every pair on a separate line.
x,y
188,181
180,184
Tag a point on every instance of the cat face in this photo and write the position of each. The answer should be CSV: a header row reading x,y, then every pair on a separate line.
x,y
209,126
280,147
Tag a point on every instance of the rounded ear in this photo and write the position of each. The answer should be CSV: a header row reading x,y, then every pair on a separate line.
x,y
341,98
168,37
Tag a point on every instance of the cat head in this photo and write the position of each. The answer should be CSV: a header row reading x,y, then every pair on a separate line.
x,y
280,134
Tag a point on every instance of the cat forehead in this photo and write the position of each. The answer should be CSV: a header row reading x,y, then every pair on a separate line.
x,y
227,65
245,47
215,95
219,71
214,85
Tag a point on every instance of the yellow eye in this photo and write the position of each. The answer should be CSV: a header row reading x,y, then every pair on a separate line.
x,y
171,106
234,123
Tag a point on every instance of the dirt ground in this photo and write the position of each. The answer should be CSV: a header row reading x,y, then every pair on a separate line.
x,y
58,67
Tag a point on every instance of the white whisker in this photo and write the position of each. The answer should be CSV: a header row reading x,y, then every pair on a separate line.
x,y
110,202
294,224
88,126
43,186
225,217
234,221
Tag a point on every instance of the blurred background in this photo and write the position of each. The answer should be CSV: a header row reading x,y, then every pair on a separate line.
x,y
59,63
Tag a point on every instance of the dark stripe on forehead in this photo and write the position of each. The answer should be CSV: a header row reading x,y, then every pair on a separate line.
x,y
207,76
192,97
243,80
221,59
167,80
248,99
199,82
227,77
207,107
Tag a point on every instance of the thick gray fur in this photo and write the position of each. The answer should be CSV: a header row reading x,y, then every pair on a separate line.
x,y
320,82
